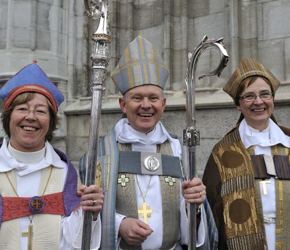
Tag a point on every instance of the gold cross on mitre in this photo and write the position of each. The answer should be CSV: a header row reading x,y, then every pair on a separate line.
x,y
145,212
264,183
29,234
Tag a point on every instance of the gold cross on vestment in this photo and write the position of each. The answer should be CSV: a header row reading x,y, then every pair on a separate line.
x,y
264,183
37,204
145,212
29,234
123,180
170,180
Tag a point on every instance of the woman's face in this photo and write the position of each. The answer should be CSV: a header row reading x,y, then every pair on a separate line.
x,y
29,124
258,111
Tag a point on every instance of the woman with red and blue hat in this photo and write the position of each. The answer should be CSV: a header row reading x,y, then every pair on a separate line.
x,y
40,207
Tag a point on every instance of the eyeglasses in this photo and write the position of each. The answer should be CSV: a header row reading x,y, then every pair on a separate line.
x,y
39,112
250,97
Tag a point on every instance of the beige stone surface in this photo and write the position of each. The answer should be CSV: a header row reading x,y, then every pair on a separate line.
x,y
58,34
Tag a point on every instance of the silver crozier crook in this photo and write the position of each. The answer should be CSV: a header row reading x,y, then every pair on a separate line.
x,y
190,134
97,9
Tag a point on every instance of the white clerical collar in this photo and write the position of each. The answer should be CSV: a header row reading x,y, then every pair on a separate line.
x,y
272,135
8,162
126,134
140,135
27,157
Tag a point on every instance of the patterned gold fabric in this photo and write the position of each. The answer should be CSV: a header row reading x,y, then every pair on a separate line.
x,y
249,67
233,191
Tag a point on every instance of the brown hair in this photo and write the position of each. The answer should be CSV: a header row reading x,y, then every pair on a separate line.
x,y
24,98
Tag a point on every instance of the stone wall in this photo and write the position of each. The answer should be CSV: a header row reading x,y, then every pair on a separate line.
x,y
214,119
53,32
58,34
175,28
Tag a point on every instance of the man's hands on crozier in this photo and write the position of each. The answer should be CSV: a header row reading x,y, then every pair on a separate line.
x,y
194,191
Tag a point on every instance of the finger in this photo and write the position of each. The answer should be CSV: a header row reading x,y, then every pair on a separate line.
x,y
195,182
92,205
143,229
92,195
185,184
197,198
82,188
144,225
195,189
194,194
92,189
79,193
142,234
92,200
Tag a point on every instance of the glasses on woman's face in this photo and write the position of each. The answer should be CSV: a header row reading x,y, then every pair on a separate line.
x,y
38,112
251,97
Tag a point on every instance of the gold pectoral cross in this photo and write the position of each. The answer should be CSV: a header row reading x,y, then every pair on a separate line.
x,y
29,234
145,212
264,183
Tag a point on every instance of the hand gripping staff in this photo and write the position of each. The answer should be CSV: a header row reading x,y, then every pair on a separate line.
x,y
97,9
191,136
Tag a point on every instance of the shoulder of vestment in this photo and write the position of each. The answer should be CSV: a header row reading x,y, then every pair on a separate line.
x,y
229,138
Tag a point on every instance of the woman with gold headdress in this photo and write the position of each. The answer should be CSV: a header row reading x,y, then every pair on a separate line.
x,y
247,174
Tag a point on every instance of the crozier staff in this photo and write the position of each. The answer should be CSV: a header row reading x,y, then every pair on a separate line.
x,y
247,175
39,205
145,197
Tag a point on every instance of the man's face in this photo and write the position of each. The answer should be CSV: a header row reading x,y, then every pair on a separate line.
x,y
144,106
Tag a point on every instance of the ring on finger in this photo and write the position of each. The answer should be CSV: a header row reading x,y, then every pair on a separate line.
x,y
200,195
94,202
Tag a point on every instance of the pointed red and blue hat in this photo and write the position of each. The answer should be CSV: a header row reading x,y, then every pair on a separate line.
x,y
31,78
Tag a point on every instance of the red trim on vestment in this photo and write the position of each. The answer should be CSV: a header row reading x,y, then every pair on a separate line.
x,y
17,207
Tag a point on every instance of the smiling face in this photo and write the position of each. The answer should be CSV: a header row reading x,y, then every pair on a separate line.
x,y
29,124
144,106
257,112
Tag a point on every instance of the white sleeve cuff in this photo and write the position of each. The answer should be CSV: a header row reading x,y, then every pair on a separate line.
x,y
118,220
95,234
201,229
